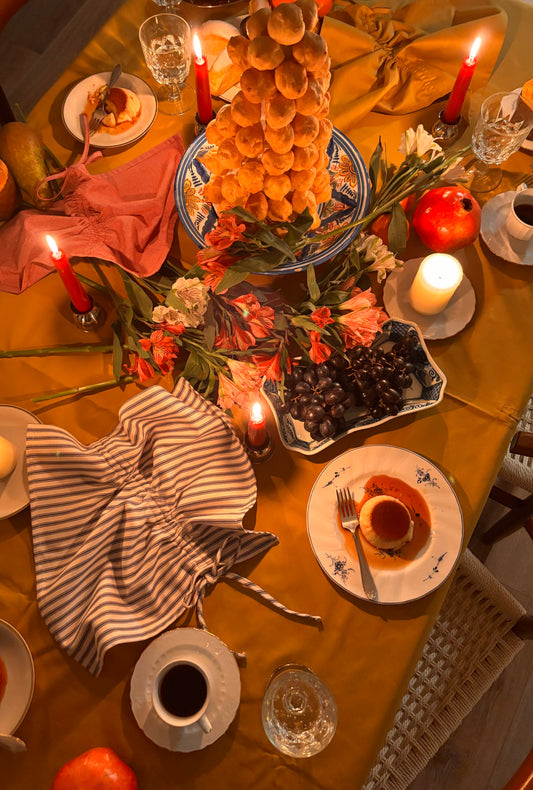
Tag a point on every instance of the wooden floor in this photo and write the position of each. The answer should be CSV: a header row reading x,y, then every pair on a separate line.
x,y
35,47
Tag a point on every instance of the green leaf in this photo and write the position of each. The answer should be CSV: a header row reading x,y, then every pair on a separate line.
x,y
193,367
374,166
125,313
304,322
174,301
398,229
118,353
312,285
138,297
232,276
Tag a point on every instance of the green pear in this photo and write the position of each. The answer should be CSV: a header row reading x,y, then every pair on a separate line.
x,y
21,148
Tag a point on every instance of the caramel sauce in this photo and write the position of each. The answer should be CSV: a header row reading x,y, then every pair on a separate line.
x,y
417,506
3,678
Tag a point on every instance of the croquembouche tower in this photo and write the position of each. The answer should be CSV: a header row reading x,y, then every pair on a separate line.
x,y
270,143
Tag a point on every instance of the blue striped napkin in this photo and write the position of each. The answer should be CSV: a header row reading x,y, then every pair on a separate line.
x,y
133,529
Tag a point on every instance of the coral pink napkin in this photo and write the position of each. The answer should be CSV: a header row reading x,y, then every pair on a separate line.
x,y
125,216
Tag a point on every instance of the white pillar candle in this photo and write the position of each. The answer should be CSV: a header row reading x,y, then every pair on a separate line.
x,y
436,281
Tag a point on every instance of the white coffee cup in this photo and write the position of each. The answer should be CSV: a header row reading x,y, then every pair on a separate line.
x,y
180,695
520,217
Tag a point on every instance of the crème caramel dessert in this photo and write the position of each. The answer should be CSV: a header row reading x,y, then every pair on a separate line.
x,y
121,106
386,522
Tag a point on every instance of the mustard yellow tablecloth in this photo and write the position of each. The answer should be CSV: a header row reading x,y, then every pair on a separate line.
x,y
365,653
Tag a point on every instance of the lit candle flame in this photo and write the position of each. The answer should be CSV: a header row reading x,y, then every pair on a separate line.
x,y
474,50
257,412
54,249
197,46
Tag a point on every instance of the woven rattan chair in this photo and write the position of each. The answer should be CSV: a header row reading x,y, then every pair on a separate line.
x,y
517,469
473,640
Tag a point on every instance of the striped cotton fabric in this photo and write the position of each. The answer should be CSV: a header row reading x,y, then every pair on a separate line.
x,y
134,528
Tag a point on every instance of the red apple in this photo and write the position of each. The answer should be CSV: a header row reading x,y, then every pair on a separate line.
x,y
447,218
98,769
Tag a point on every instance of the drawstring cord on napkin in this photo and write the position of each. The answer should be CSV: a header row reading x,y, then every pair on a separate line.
x,y
84,159
244,582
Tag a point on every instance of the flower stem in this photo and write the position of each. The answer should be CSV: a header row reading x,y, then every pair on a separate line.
x,y
56,350
84,390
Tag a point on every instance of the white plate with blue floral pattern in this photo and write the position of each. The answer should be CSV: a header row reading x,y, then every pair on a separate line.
x,y
416,569
350,184
427,390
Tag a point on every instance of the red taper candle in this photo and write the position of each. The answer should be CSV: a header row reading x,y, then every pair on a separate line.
x,y
81,302
452,111
203,91
256,433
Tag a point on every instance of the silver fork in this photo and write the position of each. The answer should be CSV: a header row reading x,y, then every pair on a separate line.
x,y
100,113
350,522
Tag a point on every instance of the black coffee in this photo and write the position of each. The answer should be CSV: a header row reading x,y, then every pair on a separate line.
x,y
524,211
183,690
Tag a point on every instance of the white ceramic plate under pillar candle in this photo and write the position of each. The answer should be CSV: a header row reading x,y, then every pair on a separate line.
x,y
447,323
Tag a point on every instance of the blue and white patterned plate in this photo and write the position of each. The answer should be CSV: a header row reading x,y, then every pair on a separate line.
x,y
397,579
426,391
350,185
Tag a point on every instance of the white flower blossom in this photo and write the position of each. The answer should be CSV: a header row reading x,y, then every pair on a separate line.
x,y
193,295
419,143
373,251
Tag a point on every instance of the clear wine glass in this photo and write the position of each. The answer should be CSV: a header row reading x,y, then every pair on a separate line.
x,y
299,713
166,44
504,123
169,5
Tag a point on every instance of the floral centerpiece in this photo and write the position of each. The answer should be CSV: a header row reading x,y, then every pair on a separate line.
x,y
226,336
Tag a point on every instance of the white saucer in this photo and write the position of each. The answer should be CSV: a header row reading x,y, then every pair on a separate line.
x,y
76,100
219,665
494,233
447,323
17,657
14,494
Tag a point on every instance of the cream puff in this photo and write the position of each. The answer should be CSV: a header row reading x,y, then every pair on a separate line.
x,y
280,140
263,53
250,140
243,111
286,24
258,85
279,111
291,79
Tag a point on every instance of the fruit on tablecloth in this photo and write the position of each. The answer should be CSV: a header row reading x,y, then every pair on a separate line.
x,y
447,218
21,148
8,193
271,141
8,457
99,768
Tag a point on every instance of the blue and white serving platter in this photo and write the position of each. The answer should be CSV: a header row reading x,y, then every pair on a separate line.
x,y
399,577
427,389
350,185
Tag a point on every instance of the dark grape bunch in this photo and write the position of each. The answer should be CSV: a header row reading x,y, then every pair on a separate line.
x,y
320,395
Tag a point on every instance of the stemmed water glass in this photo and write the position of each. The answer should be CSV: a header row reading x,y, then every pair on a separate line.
x,y
168,5
166,44
299,713
504,123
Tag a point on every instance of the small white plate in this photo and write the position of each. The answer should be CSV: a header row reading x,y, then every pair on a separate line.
x,y
17,657
14,495
447,323
494,232
76,101
399,577
217,662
